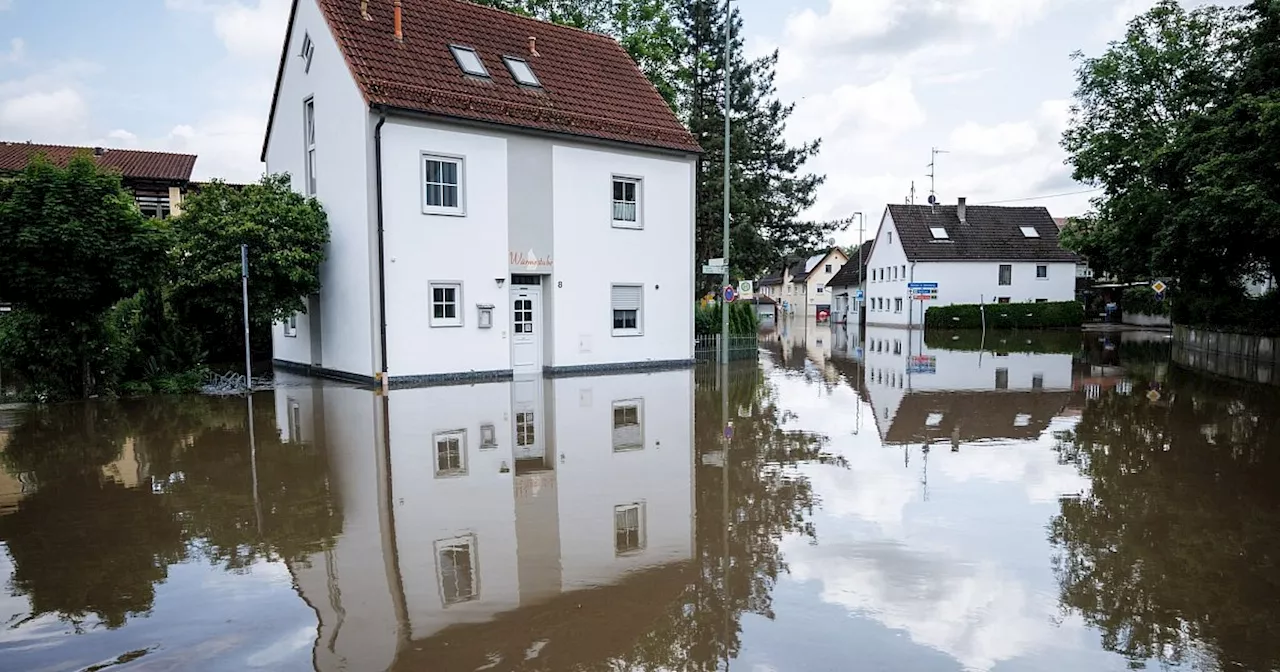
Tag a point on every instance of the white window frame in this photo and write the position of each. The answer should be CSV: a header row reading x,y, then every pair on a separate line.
x,y
1029,232
441,545
460,435
641,539
445,322
1000,273
820,287
621,404
456,49
307,52
309,144
291,326
636,182
639,328
510,62
459,210
1046,271
939,233
526,428
897,305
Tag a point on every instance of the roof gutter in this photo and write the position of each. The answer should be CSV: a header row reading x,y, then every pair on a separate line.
x,y
382,257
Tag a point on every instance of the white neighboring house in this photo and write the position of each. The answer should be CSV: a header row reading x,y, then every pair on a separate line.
x,y
845,284
505,196
802,286
975,254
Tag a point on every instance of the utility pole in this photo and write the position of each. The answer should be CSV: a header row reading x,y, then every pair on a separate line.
x,y
933,172
728,107
244,295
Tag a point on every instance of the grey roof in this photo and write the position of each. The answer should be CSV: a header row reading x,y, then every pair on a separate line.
x,y
848,275
991,233
800,272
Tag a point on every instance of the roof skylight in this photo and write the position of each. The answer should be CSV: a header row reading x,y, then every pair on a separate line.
x,y
938,232
468,60
521,71
1029,232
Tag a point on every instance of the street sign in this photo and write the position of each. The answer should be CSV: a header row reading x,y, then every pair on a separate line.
x,y
714,270
922,364
925,293
728,431
746,288
1159,287
718,261
922,285
858,294
730,293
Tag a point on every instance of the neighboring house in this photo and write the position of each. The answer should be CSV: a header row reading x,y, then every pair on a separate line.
x,y
158,180
845,284
505,196
801,287
975,254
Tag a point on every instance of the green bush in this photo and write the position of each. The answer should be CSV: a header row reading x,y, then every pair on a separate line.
x,y
743,320
1050,315
1143,301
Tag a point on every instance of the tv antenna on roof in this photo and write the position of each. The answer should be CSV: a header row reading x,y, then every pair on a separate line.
x,y
933,172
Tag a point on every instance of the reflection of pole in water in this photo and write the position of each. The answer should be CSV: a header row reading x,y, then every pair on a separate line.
x,y
253,464
726,438
924,477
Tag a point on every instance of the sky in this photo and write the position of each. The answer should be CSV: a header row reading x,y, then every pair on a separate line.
x,y
881,82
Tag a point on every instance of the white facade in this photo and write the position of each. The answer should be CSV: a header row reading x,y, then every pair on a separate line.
x,y
889,273
456,538
533,209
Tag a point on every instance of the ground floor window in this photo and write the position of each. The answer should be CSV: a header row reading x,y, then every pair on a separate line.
x,y
628,528
627,302
456,570
291,326
628,432
1003,299
446,304
897,305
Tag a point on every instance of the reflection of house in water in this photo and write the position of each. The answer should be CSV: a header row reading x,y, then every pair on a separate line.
x,y
922,394
486,509
797,340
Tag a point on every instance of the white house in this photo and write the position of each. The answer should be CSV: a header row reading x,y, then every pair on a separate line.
x,y
975,254
505,196
844,286
470,508
802,287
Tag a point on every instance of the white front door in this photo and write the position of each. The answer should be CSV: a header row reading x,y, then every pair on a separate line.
x,y
526,405
526,329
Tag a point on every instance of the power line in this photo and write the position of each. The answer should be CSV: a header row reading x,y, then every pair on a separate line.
x,y
1038,198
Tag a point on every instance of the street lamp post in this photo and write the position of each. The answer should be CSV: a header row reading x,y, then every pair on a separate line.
x,y
728,96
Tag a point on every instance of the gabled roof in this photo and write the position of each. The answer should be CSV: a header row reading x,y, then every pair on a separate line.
x,y
991,233
975,416
589,84
849,276
801,270
130,163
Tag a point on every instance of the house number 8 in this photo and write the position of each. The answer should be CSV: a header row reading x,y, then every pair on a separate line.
x,y
560,285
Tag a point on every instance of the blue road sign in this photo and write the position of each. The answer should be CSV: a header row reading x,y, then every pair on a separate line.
x,y
728,431
922,285
858,294
730,293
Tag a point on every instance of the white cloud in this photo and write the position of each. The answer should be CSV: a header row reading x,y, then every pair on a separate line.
x,y
1006,139
227,144
45,115
17,51
252,31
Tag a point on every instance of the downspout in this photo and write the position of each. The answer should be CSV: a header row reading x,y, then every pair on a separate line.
x,y
382,257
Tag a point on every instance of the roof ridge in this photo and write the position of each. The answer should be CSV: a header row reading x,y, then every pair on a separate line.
x,y
526,17
92,147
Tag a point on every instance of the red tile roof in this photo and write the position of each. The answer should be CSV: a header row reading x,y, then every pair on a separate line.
x,y
132,164
590,85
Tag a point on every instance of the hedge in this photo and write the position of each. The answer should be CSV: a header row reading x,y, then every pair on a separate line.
x,y
1143,301
1007,315
743,320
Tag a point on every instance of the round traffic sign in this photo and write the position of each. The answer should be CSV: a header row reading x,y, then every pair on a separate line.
x,y
730,293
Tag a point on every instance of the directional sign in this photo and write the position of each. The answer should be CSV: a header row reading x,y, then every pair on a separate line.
x,y
730,293
922,285
714,270
1159,287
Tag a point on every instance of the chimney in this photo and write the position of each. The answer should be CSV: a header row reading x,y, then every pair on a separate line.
x,y
960,210
98,151
399,30
364,10
533,46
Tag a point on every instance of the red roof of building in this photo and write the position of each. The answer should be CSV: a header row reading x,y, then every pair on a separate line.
x,y
131,163
589,84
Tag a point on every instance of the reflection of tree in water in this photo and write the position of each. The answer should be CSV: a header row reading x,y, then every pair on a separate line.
x,y
1173,555
767,500
84,544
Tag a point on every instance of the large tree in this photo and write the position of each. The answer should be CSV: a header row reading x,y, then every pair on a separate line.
x,y
286,234
74,245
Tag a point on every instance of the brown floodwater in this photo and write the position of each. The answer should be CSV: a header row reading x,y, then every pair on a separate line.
x,y
883,501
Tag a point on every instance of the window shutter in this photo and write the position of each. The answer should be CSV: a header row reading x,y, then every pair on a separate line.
x,y
627,297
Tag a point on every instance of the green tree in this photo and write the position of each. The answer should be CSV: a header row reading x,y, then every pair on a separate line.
x,y
74,244
286,234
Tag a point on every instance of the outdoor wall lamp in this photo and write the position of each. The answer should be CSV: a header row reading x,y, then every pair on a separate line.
x,y
500,281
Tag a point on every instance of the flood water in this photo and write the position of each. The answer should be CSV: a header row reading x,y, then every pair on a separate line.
x,y
885,501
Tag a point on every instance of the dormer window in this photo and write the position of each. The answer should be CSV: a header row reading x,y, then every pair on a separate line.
x,y
520,71
1029,232
468,60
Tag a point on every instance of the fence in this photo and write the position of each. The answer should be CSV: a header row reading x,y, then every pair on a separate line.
x,y
707,347
1242,356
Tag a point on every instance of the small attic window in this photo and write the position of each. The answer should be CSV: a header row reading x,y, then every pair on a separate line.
x,y
521,71
938,232
1029,232
468,60
308,50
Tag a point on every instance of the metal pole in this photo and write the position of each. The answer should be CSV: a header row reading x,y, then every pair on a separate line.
x,y
244,293
728,97
862,282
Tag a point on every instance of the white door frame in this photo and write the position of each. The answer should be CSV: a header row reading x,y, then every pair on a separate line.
x,y
523,343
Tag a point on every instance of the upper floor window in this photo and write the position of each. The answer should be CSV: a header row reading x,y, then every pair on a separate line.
x,y
469,61
1042,271
1006,274
291,326
827,268
152,205
309,135
820,288
626,203
890,237
442,188
308,50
